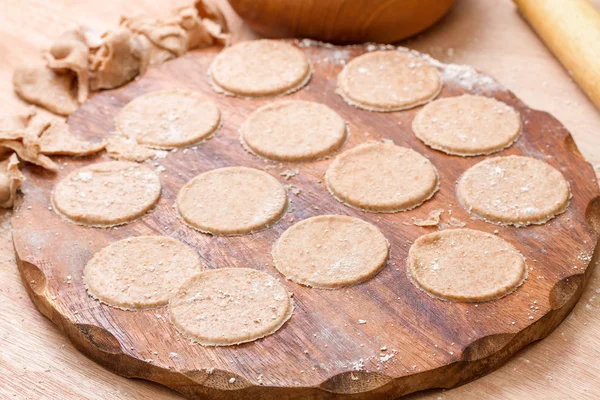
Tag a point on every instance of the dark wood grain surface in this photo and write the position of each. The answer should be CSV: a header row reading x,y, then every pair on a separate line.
x,y
322,352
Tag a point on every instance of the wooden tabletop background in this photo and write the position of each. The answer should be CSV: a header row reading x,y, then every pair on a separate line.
x,y
37,362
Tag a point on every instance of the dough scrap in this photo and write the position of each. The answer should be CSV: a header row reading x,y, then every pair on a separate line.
x,y
140,272
25,142
106,194
293,130
120,58
433,219
231,201
120,147
388,81
10,181
45,88
230,306
58,139
381,177
330,251
169,118
513,190
465,265
260,68
467,125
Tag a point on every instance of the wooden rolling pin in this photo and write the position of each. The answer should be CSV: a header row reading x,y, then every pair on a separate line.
x,y
571,29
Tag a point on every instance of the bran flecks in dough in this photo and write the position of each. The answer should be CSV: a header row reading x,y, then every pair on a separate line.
x,y
260,68
231,201
381,177
388,81
330,251
513,190
465,265
140,272
467,125
169,118
229,306
106,194
293,130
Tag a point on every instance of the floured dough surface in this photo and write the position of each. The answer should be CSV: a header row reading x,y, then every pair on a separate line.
x,y
260,68
330,251
388,81
381,177
232,201
106,194
230,306
465,265
293,131
467,125
513,190
140,272
169,118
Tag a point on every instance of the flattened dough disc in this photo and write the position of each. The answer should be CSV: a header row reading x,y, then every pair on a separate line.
x,y
293,130
465,265
260,68
106,194
514,190
169,118
140,272
381,177
330,251
230,306
231,201
388,81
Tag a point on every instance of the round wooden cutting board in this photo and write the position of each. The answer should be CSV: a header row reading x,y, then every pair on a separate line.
x,y
410,341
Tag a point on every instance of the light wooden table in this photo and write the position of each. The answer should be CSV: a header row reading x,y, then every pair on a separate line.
x,y
36,362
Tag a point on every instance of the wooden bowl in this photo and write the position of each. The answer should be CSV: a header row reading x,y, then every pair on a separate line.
x,y
341,21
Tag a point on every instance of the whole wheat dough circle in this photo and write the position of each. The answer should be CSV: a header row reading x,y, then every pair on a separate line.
x,y
229,306
330,251
169,118
231,201
260,68
140,272
513,190
106,194
388,81
465,265
381,177
293,130
467,125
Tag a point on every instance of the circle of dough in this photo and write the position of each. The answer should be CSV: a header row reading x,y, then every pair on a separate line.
x,y
293,130
467,125
169,118
232,201
513,190
381,177
465,265
229,306
260,68
330,251
107,194
140,272
388,81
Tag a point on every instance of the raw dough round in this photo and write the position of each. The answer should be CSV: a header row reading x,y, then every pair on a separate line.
x,y
260,68
514,190
465,265
140,272
231,201
381,177
293,130
229,306
388,81
169,118
330,251
107,194
467,125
